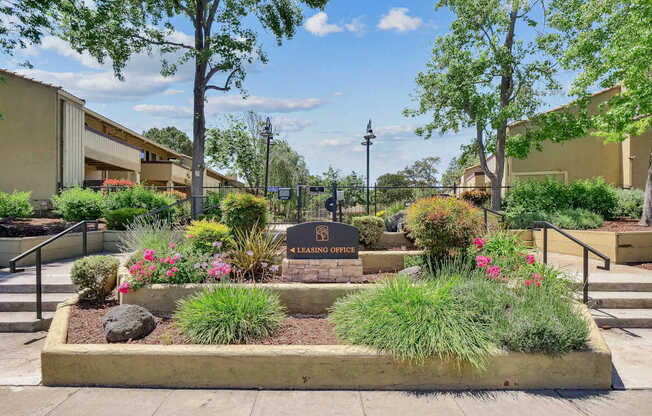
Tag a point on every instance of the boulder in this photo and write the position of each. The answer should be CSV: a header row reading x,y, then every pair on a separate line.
x,y
126,322
395,222
413,272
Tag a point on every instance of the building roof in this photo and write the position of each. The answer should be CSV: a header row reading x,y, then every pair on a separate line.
x,y
595,94
61,91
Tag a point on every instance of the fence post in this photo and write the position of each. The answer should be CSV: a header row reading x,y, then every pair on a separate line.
x,y
375,198
335,198
39,306
299,198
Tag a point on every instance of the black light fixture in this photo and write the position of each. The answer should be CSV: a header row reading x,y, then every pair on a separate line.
x,y
268,134
367,142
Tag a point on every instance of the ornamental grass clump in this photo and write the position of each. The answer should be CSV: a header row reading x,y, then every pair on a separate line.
x,y
413,321
228,314
442,225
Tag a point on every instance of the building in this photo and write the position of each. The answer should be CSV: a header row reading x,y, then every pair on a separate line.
x,y
50,140
623,164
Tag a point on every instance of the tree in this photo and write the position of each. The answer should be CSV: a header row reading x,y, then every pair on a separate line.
x,y
467,158
171,137
224,41
393,187
489,70
608,42
422,172
240,147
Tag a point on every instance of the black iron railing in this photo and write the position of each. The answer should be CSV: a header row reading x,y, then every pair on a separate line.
x,y
488,211
586,249
38,261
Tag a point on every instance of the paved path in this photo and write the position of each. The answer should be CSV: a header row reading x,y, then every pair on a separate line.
x,y
35,401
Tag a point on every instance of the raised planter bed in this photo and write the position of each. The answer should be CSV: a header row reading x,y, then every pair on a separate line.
x,y
307,366
70,245
385,261
620,246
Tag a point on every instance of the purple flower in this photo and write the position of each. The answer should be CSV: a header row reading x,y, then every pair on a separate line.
x,y
274,268
250,253
264,265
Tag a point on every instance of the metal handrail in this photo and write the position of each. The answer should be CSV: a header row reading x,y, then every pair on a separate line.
x,y
489,210
586,249
37,249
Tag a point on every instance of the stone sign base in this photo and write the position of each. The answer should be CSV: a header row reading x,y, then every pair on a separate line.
x,y
323,271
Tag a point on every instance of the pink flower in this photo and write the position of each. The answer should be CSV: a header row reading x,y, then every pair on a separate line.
x,y
531,282
479,243
124,287
149,255
169,273
483,261
152,268
190,236
493,272
536,276
172,245
530,259
226,269
528,283
174,269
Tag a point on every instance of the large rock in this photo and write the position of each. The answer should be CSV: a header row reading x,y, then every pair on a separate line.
x,y
395,221
414,272
126,322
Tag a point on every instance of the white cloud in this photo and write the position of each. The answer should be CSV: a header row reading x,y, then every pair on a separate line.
x,y
318,25
63,48
289,125
103,86
356,25
233,103
398,20
172,91
338,94
161,110
334,142
399,130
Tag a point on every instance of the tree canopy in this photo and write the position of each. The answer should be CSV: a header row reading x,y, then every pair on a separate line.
x,y
171,137
423,172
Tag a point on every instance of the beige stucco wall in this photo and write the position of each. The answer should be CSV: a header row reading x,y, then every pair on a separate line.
x,y
72,144
28,137
639,158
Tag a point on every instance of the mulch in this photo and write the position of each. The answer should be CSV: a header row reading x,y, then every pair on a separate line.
x,y
622,225
85,327
32,227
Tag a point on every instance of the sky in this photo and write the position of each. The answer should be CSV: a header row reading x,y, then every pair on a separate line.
x,y
354,61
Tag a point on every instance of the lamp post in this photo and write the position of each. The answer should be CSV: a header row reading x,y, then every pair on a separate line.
x,y
367,142
267,133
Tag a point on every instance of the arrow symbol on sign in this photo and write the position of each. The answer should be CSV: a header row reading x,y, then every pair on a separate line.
x,y
292,249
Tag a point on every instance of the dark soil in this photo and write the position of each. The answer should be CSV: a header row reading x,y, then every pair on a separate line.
x,y
646,266
31,227
85,327
622,225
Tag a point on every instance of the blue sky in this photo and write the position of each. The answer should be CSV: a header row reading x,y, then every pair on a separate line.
x,y
355,61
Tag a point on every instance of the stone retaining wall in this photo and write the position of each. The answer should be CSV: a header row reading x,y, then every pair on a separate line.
x,y
323,271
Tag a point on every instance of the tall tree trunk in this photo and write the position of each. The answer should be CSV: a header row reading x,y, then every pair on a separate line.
x,y
199,117
646,218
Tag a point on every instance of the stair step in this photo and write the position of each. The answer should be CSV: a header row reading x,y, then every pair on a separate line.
x,y
24,321
620,286
31,288
623,318
26,302
621,300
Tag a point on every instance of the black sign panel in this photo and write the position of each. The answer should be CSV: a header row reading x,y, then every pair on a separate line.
x,y
284,194
317,189
322,240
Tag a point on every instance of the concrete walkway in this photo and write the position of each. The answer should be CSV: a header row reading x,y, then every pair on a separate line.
x,y
35,401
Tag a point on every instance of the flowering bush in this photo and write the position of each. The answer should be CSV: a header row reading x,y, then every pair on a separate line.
x,y
119,182
441,224
244,211
504,257
254,253
477,197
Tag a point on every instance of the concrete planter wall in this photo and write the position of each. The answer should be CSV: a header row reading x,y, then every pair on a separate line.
x,y
69,245
308,366
620,247
385,261
394,240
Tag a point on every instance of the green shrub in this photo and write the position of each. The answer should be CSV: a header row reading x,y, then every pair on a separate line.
x,y
440,225
229,315
244,211
149,233
15,204
212,205
371,229
477,197
138,197
209,236
576,219
413,321
550,196
79,204
119,219
630,203
94,274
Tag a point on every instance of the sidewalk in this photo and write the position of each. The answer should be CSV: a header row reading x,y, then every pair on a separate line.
x,y
33,401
